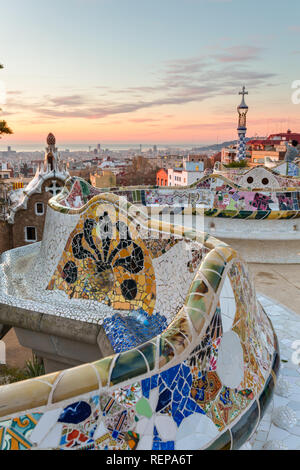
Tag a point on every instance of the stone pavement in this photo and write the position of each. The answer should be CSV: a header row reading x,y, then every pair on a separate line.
x,y
281,282
284,409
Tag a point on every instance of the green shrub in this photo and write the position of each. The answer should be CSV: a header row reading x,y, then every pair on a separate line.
x,y
35,367
239,164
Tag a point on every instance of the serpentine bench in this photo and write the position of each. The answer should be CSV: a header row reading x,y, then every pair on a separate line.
x,y
189,356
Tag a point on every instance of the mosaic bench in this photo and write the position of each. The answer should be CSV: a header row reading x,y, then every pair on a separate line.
x,y
256,211
194,356
256,194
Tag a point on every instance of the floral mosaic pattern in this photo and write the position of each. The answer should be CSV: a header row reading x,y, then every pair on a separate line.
x,y
102,261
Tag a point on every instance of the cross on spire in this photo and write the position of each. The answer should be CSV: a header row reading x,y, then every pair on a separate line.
x,y
243,92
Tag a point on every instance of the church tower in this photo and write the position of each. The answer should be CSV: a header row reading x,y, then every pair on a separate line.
x,y
242,126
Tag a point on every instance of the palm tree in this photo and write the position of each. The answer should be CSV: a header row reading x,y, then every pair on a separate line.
x,y
4,129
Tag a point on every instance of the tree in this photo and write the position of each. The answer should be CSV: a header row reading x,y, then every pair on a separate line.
x,y
4,129
237,164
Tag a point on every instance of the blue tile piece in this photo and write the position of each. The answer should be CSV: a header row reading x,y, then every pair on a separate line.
x,y
198,409
174,407
178,417
175,390
169,445
169,375
154,381
185,370
146,387
225,396
182,403
126,332
155,445
75,413
176,395
186,389
189,379
163,399
191,405
180,383
174,384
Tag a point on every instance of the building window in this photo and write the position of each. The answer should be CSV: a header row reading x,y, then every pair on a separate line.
x,y
30,234
39,208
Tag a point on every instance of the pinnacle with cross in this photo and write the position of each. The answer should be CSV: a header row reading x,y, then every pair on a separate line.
x,y
243,92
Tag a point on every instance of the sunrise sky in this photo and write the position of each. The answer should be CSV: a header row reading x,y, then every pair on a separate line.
x,y
141,71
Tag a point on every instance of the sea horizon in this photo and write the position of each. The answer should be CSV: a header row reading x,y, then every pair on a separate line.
x,y
113,146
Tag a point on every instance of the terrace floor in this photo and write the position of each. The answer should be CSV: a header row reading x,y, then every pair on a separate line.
x,y
281,282
287,327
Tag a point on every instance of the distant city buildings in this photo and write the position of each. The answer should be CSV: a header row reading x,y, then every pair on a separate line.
x,y
162,177
103,179
184,170
187,175
266,151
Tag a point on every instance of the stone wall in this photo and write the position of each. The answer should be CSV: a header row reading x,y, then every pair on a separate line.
x,y
13,235
28,217
5,236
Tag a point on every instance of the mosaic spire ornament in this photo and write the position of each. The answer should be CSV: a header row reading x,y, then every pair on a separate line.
x,y
51,155
242,110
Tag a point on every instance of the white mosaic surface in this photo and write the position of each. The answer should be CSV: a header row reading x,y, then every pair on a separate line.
x,y
269,435
25,273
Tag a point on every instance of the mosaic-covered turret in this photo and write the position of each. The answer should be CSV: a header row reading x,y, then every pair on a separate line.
x,y
51,155
242,111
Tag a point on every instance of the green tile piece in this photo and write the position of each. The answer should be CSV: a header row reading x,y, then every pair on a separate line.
x,y
143,408
148,349
128,365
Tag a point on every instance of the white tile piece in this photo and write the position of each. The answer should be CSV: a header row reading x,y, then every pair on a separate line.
x,y
52,439
44,424
166,427
230,365
145,443
100,431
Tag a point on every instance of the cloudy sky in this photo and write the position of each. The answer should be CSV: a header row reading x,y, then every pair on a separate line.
x,y
159,71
